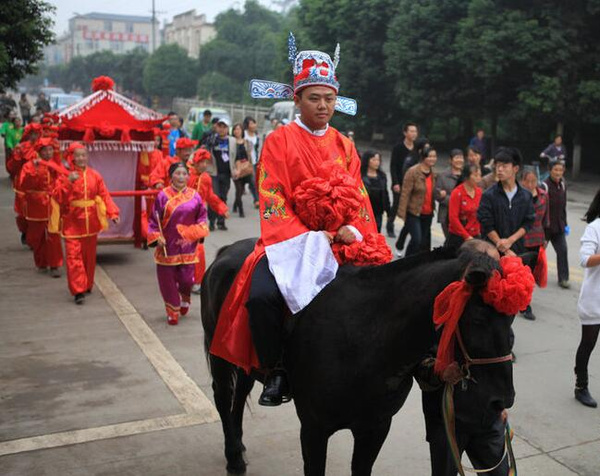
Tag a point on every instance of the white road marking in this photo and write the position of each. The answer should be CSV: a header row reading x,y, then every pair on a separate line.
x,y
56,440
199,409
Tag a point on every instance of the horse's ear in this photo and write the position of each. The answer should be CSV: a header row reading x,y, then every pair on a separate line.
x,y
477,276
529,259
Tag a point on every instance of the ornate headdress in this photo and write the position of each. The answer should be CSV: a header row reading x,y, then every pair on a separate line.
x,y
311,68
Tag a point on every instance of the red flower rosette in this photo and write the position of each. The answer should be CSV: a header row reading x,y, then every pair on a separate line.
x,y
512,292
373,250
102,83
106,129
328,200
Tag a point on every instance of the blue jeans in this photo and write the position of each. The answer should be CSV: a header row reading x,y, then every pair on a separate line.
x,y
419,229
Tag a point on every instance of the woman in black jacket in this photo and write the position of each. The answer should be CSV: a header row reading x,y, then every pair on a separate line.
x,y
376,184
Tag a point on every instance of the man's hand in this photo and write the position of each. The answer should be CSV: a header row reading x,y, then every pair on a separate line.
x,y
452,374
504,415
345,236
443,194
396,188
226,215
510,253
161,241
504,245
73,176
329,236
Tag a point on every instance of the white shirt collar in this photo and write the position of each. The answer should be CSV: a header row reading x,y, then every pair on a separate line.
x,y
318,133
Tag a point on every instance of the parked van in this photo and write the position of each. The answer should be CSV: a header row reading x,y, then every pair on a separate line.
x,y
195,114
283,110
60,101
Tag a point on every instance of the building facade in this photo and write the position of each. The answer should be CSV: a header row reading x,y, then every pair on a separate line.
x,y
190,31
93,32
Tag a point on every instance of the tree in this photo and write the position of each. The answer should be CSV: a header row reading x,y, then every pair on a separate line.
x,y
25,28
169,72
247,46
216,86
361,29
131,70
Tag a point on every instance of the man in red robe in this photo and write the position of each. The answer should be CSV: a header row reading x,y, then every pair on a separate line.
x,y
315,215
85,207
24,152
37,182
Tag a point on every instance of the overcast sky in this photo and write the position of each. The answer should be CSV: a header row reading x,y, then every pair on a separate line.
x,y
166,9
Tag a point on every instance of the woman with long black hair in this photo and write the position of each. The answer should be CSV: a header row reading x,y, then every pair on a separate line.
x,y
375,182
588,306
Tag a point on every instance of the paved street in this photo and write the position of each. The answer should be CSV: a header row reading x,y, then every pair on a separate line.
x,y
108,388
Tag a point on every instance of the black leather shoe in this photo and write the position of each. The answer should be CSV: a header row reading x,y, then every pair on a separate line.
x,y
222,226
276,391
528,314
79,298
584,397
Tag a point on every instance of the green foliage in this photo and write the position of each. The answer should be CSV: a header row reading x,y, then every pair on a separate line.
x,y
25,28
218,87
169,72
131,70
246,47
361,29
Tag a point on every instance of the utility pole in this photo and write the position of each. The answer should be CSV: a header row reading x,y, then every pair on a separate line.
x,y
153,26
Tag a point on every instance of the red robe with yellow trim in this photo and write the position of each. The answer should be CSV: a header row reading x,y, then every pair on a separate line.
x,y
85,204
305,183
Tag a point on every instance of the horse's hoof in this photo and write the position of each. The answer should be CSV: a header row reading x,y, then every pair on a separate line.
x,y
239,467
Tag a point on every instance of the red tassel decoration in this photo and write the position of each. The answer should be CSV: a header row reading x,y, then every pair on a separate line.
x,y
540,273
125,136
89,135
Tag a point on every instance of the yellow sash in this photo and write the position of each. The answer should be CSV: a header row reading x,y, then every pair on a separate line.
x,y
100,208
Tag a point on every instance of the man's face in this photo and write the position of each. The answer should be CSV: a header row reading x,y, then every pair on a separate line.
x,y
506,171
201,166
557,172
42,96
174,122
184,154
47,152
457,161
206,118
80,157
473,157
33,137
558,141
252,126
480,134
222,129
411,133
317,105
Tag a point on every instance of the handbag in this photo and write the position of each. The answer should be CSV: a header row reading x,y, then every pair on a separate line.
x,y
243,168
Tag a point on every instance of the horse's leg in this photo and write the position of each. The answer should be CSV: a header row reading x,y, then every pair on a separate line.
x,y
243,388
223,389
314,449
367,444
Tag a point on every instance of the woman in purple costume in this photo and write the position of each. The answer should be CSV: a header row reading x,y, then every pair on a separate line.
x,y
176,224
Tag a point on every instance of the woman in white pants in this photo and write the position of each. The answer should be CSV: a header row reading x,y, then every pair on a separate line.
x,y
589,301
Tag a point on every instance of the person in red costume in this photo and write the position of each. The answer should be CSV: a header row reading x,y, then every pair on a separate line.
x,y
37,182
201,181
24,152
85,205
314,215
159,177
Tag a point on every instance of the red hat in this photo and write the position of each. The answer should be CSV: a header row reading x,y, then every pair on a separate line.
x,y
71,151
32,127
185,143
45,142
201,154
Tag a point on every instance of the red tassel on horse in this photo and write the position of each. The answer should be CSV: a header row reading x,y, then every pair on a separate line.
x,y
540,273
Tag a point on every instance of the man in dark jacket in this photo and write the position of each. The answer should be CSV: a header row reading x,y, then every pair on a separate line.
x,y
506,210
557,214
400,151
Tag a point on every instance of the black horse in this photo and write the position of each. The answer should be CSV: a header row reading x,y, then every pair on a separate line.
x,y
352,352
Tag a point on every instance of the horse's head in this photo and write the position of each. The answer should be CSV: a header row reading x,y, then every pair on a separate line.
x,y
486,330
